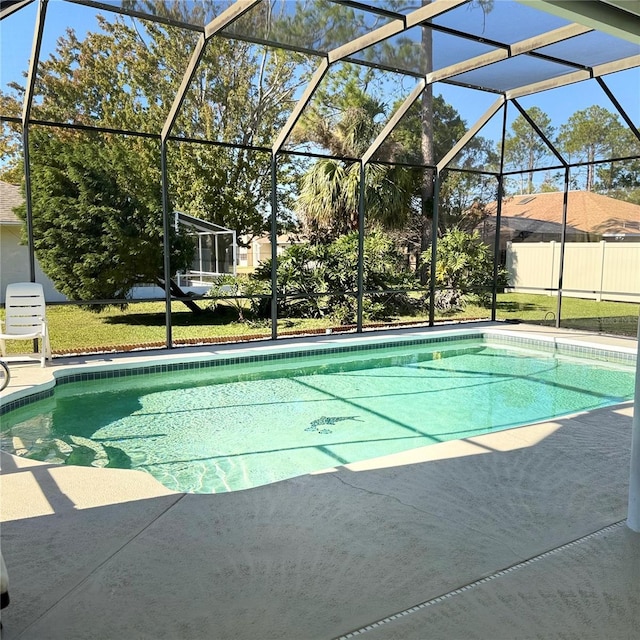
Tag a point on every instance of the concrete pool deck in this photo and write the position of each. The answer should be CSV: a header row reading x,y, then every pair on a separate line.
x,y
516,534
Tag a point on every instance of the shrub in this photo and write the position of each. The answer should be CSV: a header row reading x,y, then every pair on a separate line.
x,y
332,271
464,267
230,285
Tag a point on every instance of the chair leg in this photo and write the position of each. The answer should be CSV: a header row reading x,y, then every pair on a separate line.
x,y
46,346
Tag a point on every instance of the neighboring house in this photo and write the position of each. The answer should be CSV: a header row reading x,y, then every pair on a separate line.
x,y
537,217
259,250
602,254
14,255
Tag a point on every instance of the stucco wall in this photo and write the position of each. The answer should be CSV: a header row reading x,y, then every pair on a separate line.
x,y
14,264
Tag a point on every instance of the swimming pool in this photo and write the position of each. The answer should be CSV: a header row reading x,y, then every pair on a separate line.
x,y
236,423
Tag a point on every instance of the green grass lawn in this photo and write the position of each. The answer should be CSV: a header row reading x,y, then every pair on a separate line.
x,y
75,329
619,318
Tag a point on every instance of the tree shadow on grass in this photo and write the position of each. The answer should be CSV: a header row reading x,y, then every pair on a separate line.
x,y
221,316
510,307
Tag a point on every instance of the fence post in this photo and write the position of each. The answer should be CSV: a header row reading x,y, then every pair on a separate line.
x,y
603,246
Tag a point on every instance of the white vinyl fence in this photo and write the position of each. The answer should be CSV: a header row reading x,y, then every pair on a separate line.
x,y
595,270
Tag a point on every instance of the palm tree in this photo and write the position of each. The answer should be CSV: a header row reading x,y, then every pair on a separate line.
x,y
328,203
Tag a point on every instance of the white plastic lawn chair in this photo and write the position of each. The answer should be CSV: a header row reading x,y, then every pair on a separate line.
x,y
25,318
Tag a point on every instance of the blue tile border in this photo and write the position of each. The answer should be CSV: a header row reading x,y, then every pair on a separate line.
x,y
265,357
490,338
562,348
26,400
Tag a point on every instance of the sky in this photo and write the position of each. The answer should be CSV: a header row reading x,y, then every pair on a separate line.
x,y
15,44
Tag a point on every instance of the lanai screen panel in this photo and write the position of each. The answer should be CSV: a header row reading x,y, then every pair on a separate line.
x,y
194,13
448,124
531,232
342,119
108,70
502,21
408,51
591,49
462,202
512,73
314,25
403,52
482,151
450,49
245,104
605,267
586,127
15,52
227,186
529,144
395,230
617,83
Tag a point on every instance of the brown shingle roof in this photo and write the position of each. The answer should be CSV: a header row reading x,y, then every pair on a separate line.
x,y
587,211
10,197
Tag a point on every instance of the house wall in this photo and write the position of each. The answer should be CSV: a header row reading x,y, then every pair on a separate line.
x,y
257,253
593,270
14,263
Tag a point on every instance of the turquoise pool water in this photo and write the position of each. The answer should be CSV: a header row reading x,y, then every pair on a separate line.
x,y
239,426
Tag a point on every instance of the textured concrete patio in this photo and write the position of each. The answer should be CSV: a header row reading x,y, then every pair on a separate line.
x,y
517,534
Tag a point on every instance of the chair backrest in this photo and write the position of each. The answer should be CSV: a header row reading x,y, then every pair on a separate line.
x,y
24,308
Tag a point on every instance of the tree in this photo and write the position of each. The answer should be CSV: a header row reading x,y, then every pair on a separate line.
x,y
463,195
345,120
524,148
590,134
97,230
